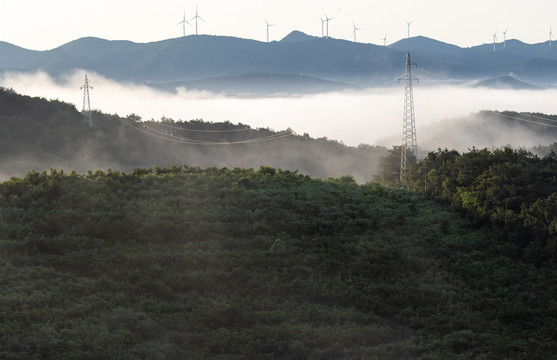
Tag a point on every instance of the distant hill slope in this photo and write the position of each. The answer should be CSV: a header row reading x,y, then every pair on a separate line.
x,y
13,56
40,134
506,82
201,57
197,57
491,129
260,84
487,129
424,45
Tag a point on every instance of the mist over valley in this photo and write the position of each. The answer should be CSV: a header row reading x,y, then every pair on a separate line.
x,y
367,116
324,87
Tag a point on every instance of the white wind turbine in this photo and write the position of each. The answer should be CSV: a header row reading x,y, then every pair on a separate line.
x,y
409,23
494,39
355,30
327,19
196,17
322,26
268,26
550,35
184,22
385,40
505,37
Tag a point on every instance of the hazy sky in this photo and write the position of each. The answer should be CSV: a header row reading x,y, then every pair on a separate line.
x,y
41,24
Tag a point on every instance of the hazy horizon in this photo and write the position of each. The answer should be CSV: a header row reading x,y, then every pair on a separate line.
x,y
40,25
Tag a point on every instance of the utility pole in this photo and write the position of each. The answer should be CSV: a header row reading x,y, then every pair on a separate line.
x,y
425,176
409,144
86,102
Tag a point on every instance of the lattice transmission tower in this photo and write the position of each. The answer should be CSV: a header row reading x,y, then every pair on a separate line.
x,y
86,102
409,148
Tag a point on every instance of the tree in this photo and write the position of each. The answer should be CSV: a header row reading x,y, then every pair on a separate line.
x,y
389,167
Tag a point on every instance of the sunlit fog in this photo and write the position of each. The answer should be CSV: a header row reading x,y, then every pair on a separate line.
x,y
372,116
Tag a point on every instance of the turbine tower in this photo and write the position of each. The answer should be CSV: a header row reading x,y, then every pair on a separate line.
x,y
385,40
322,26
184,22
355,30
327,19
505,37
195,18
86,102
409,148
550,36
268,26
409,23
494,39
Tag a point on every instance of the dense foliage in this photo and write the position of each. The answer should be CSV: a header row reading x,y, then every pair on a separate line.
x,y
39,134
511,191
191,263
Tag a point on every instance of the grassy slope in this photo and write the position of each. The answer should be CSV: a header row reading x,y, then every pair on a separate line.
x,y
241,264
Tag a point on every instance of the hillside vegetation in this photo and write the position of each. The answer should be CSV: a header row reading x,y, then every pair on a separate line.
x,y
39,134
513,192
217,263
220,261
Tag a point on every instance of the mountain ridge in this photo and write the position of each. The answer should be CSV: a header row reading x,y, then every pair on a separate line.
x,y
197,57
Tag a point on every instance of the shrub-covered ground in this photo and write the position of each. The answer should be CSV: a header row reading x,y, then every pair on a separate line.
x,y
190,263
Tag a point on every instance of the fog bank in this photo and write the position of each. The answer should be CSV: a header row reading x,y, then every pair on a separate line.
x,y
371,116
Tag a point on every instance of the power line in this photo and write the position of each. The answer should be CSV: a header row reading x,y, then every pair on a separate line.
x,y
524,120
268,137
391,81
541,118
434,74
172,138
202,131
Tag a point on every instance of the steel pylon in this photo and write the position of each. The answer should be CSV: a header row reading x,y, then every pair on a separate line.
x,y
86,111
409,144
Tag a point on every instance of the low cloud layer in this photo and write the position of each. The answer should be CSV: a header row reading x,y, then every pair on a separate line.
x,y
372,116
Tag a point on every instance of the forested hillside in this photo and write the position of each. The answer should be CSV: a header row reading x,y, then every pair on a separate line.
x,y
149,259
513,192
216,263
39,134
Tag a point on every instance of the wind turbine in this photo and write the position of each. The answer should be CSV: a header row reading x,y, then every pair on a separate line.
x,y
184,22
196,17
327,19
505,37
409,22
322,23
355,30
268,26
494,39
385,40
550,35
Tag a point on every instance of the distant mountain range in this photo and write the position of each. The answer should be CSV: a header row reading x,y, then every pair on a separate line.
x,y
506,82
297,63
259,84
